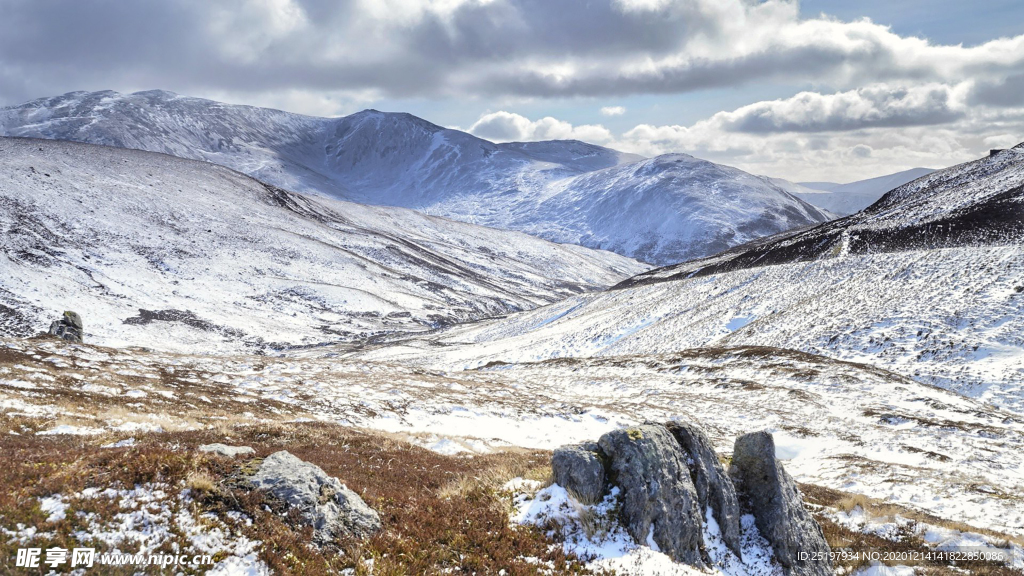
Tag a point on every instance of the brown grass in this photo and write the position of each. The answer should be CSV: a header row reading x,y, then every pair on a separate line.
x,y
429,526
201,482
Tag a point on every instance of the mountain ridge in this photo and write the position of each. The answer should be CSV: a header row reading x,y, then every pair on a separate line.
x,y
852,197
398,159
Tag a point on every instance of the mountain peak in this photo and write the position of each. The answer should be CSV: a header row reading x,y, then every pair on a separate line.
x,y
156,93
394,118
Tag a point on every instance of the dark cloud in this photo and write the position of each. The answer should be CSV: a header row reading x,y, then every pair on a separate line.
x,y
1005,92
188,44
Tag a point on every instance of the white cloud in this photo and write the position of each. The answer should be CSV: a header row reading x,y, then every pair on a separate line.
x,y
613,110
872,106
505,126
844,136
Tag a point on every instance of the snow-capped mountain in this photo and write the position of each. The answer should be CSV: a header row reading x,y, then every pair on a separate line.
x,y
629,211
662,210
846,199
159,251
928,282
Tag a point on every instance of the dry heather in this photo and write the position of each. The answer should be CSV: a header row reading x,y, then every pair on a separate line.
x,y
430,526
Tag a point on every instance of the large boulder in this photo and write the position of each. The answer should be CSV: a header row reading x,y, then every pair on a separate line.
x,y
69,327
714,488
778,509
324,502
660,503
579,468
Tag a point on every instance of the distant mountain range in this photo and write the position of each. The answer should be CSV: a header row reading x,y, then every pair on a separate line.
x,y
660,210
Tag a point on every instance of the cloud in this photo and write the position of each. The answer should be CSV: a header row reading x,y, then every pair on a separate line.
x,y
1001,92
510,127
613,111
842,136
873,106
464,48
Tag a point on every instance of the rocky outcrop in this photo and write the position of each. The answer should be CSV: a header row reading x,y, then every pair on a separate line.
x,y
670,477
225,450
324,502
69,327
778,509
714,488
579,468
659,499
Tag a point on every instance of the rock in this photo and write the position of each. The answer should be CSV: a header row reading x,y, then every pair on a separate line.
x,y
73,318
325,503
659,499
714,487
778,509
579,468
225,450
69,327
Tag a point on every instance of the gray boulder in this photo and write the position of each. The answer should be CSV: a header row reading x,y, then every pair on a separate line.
x,y
325,503
579,468
69,327
225,450
778,509
659,499
714,488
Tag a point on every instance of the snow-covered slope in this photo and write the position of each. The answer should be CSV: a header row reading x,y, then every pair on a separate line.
x,y
175,254
845,199
663,210
929,282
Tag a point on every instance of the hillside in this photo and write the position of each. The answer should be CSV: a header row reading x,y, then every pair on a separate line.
x,y
158,251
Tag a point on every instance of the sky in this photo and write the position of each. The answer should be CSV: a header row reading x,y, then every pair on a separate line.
x,y
818,90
